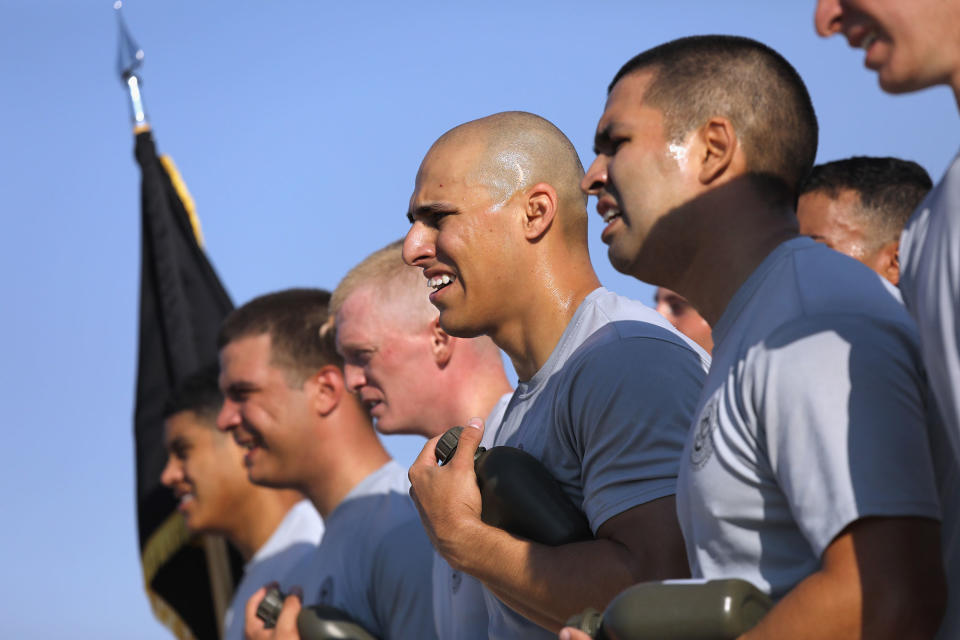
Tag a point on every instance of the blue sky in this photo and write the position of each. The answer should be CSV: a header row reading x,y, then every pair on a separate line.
x,y
298,127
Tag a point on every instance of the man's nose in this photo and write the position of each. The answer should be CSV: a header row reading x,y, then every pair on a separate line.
x,y
418,246
595,177
229,416
354,377
171,473
828,17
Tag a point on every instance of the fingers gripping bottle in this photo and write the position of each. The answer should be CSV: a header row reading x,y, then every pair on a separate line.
x,y
315,622
519,495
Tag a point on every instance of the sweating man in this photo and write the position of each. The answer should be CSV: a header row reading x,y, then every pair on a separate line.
x,y
808,468
606,386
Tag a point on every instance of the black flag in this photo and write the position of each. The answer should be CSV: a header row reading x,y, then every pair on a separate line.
x,y
182,304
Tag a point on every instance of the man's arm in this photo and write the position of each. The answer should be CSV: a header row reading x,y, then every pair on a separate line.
x,y
880,578
545,584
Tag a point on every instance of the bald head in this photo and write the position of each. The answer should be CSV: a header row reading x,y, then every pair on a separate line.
x,y
514,150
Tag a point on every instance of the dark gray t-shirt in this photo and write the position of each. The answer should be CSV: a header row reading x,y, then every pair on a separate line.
x,y
607,414
374,560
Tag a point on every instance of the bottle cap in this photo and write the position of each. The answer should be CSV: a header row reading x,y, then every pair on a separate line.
x,y
447,444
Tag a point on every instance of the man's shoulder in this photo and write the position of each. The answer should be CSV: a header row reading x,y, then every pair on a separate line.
x,y
615,323
818,286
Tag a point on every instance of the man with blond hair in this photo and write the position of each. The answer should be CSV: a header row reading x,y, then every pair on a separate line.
x,y
415,378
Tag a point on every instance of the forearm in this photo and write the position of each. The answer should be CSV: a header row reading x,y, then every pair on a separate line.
x,y
547,584
880,579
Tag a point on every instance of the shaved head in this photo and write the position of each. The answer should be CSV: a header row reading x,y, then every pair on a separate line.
x,y
514,150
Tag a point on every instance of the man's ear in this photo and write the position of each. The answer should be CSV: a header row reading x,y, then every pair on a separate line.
x,y
540,208
326,389
441,343
718,144
889,262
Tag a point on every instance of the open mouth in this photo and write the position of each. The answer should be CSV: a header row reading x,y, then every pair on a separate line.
x,y
439,282
610,214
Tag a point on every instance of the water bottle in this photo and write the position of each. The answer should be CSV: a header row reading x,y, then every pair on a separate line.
x,y
678,610
316,622
519,495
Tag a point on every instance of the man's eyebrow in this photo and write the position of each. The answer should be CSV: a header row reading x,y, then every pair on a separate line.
x,y
428,210
601,139
239,387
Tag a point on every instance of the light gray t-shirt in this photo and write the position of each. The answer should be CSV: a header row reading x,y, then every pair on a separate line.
x,y
930,282
458,607
607,414
294,539
374,560
813,416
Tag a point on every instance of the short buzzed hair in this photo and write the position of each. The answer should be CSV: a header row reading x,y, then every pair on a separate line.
x,y
393,278
889,190
199,393
744,81
293,319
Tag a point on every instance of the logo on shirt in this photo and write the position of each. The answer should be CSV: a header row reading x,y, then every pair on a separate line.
x,y
326,591
455,580
702,447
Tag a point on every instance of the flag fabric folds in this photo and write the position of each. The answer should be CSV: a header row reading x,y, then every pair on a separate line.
x,y
182,304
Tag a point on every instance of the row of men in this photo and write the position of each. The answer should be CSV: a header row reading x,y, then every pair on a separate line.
x,y
816,466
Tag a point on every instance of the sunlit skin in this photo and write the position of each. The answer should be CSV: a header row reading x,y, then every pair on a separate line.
x,y
836,223
684,318
386,360
460,235
519,267
205,472
911,45
636,172
264,411
489,246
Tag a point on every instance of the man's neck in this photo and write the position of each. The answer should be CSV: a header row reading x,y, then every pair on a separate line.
x,y
259,518
551,295
728,255
342,465
477,393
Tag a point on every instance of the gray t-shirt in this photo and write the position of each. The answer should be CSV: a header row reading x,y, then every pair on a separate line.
x,y
930,282
813,416
458,607
374,560
607,414
294,539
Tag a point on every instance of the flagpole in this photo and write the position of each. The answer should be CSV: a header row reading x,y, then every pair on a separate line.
x,y
171,537
129,60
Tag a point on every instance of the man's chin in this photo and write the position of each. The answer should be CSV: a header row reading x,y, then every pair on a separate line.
x,y
458,327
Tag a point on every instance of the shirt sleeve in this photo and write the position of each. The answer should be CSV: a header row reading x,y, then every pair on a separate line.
x,y
628,409
840,404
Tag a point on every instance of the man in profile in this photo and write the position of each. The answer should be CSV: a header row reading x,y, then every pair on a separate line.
x,y
273,529
287,405
913,46
808,469
499,228
685,319
858,206
415,378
